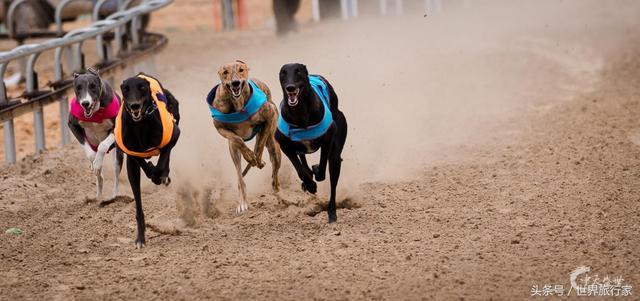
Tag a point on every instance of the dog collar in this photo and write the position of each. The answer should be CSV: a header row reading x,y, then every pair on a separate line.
x,y
251,107
296,133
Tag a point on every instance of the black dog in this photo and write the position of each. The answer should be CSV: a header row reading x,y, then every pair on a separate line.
x,y
310,120
148,128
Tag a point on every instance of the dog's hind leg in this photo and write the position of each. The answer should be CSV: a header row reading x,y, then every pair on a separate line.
x,y
237,161
161,170
335,164
276,158
133,173
320,169
118,157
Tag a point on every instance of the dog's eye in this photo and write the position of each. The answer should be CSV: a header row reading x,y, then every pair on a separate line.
x,y
125,89
78,87
92,86
241,70
225,72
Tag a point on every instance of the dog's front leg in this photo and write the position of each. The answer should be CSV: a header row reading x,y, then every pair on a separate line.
x,y
243,205
261,142
320,169
238,144
303,172
96,165
133,173
103,148
91,155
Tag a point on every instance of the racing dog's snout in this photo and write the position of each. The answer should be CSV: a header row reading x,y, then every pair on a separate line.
x,y
85,104
290,88
135,106
235,83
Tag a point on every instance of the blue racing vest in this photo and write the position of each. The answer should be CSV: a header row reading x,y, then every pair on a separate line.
x,y
314,131
252,106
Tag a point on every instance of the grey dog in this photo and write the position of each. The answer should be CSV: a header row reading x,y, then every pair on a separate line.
x,y
92,120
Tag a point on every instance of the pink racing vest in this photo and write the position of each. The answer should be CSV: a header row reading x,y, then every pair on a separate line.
x,y
108,112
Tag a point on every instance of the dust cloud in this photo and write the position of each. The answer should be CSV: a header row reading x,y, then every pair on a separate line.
x,y
416,90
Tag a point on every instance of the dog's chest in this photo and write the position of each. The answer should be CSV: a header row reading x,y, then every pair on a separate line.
x,y
246,130
96,132
309,147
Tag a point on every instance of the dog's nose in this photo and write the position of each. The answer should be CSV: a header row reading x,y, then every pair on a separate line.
x,y
85,104
135,106
290,88
235,83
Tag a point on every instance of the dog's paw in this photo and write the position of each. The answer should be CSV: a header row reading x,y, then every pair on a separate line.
x,y
242,208
250,157
317,174
259,164
310,186
139,244
333,217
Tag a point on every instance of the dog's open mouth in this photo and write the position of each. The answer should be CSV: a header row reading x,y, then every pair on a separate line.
x,y
88,112
292,97
236,91
136,114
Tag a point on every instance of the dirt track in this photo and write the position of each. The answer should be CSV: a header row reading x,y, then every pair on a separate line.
x,y
483,159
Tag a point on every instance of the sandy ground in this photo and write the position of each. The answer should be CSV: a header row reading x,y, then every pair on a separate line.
x,y
491,149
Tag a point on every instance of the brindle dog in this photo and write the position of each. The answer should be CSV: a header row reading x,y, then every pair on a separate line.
x,y
231,95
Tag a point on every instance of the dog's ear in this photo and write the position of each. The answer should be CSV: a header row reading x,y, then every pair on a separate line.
x,y
76,74
304,69
124,88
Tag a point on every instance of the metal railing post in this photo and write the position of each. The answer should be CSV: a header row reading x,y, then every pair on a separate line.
x,y
64,119
11,18
3,89
9,142
38,113
9,132
58,15
227,14
315,10
399,7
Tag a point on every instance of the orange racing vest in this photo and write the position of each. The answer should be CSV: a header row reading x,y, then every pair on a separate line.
x,y
165,117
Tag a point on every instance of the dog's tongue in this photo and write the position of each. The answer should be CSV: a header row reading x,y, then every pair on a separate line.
x,y
292,98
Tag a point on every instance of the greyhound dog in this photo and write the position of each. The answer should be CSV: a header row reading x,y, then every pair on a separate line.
x,y
148,128
92,116
310,120
242,109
